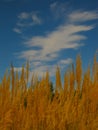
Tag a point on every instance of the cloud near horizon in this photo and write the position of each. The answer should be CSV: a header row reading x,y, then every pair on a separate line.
x,y
65,36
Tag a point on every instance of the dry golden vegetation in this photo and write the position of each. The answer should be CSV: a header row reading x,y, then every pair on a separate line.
x,y
72,105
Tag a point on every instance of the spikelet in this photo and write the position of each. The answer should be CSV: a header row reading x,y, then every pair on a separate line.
x,y
72,81
13,81
23,80
58,80
78,72
95,70
27,71
66,86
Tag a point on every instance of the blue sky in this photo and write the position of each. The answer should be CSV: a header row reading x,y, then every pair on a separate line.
x,y
48,33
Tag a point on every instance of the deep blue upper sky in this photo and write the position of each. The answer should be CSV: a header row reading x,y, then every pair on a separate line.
x,y
47,32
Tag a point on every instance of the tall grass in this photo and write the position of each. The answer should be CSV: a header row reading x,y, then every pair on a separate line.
x,y
69,106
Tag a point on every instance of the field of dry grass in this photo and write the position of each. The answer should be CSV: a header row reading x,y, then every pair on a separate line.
x,y
42,106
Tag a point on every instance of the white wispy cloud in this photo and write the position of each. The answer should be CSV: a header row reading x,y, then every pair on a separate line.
x,y
82,16
58,9
41,69
23,15
31,17
27,19
63,37
17,30
36,19
65,61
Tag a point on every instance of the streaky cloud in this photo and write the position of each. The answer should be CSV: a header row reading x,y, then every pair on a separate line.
x,y
69,35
